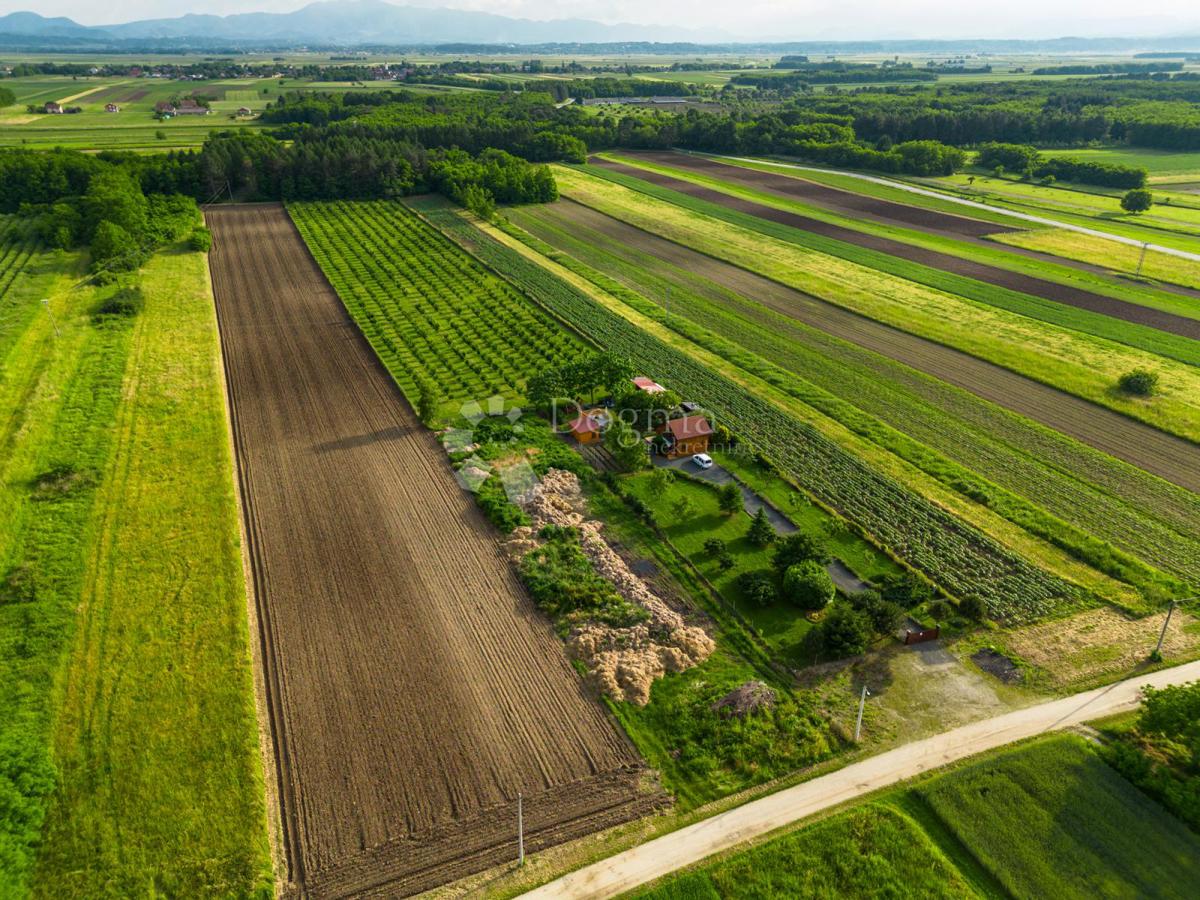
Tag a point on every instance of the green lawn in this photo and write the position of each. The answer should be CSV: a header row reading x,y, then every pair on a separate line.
x,y
133,732
1046,819
870,851
1053,820
783,627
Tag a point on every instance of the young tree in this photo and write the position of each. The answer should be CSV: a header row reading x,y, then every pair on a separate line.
x,y
729,498
884,615
760,533
659,481
427,399
808,586
798,548
1137,201
681,508
626,446
714,547
845,631
758,587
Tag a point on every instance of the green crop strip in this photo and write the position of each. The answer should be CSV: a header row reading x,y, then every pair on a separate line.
x,y
955,555
1131,334
1012,452
425,306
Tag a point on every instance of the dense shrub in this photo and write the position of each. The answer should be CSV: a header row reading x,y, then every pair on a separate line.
x,y
845,631
1137,201
201,240
1138,383
807,585
758,587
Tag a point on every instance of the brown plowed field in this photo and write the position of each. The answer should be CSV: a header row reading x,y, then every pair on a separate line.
x,y
413,687
854,205
1157,452
796,188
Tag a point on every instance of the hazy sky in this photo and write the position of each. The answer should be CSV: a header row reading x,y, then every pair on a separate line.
x,y
777,19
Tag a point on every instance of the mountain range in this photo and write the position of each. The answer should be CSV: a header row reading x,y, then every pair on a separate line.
x,y
375,23
348,22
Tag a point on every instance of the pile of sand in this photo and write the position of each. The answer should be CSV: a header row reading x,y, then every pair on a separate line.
x,y
622,662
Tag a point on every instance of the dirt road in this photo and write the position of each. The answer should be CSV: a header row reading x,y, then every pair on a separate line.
x,y
690,845
413,687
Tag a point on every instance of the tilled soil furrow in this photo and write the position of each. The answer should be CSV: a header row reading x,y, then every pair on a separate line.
x,y
414,687
794,188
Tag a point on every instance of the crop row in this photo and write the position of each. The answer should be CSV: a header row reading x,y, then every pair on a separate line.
x,y
957,556
1142,337
1117,502
425,306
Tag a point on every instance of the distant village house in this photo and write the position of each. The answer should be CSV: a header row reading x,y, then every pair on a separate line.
x,y
111,107
53,107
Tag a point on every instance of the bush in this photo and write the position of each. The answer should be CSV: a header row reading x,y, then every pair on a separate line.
x,y
714,547
201,240
939,611
845,631
758,587
885,615
123,303
973,608
1137,201
808,586
114,248
1138,383
905,590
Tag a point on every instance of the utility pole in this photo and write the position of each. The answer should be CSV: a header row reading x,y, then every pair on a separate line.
x,y
1142,258
50,313
862,703
1162,635
520,830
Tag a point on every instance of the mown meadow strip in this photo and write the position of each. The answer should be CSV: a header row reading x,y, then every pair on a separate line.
x,y
955,555
159,785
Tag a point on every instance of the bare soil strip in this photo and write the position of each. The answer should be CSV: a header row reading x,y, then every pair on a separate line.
x,y
795,188
1171,458
414,689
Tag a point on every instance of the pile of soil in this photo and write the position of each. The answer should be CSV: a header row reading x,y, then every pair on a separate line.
x,y
745,700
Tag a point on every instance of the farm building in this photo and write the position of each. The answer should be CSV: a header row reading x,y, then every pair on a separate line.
x,y
685,436
52,107
245,111
111,107
164,109
589,427
647,385
189,107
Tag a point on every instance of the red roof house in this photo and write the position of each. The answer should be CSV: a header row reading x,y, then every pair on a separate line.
x,y
687,435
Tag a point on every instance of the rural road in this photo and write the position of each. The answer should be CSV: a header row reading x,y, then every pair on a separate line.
x,y
689,845
926,192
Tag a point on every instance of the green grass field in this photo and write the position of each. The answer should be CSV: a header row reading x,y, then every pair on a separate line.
x,y
1121,258
1058,355
1143,294
1053,820
1158,163
132,734
870,851
1045,819
1092,491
